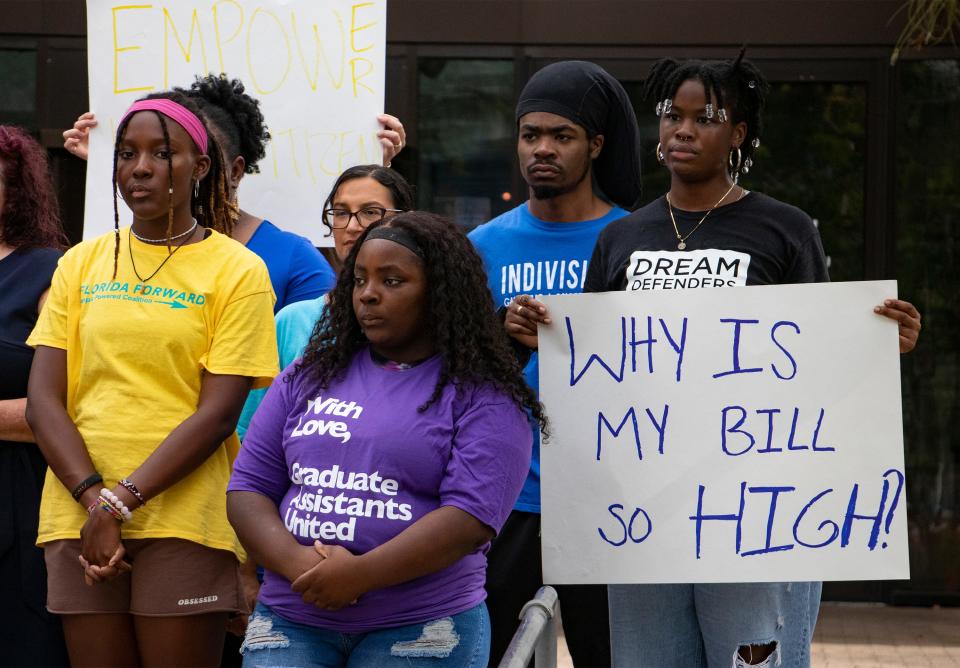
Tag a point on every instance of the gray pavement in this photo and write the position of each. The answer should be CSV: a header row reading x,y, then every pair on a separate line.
x,y
853,635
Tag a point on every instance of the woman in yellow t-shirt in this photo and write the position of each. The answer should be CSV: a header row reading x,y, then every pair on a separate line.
x,y
146,348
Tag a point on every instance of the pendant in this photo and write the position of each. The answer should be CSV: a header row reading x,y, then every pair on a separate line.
x,y
681,245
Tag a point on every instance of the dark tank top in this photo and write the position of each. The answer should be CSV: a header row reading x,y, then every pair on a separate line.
x,y
25,275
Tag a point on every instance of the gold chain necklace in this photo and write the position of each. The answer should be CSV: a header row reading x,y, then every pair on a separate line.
x,y
681,240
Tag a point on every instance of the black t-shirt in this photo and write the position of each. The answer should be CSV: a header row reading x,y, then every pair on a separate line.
x,y
754,241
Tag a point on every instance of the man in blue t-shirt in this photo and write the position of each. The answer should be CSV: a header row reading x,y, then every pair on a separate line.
x,y
579,152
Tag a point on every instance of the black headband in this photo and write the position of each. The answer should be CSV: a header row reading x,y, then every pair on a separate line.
x,y
397,235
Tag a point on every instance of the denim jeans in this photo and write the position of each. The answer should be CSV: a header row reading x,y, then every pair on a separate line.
x,y
700,625
462,640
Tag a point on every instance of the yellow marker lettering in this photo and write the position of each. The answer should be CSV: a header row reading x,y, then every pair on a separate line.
x,y
276,149
336,82
286,41
306,143
117,50
353,143
343,151
356,75
187,50
354,28
293,152
216,27
329,171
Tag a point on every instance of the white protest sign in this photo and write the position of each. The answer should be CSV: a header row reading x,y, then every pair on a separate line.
x,y
317,67
746,435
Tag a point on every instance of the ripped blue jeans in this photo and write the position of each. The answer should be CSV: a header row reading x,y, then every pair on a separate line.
x,y
699,625
462,640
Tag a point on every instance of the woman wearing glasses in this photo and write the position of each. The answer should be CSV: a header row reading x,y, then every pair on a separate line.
x,y
361,196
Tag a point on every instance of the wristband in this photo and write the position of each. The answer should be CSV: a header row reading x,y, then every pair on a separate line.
x,y
85,485
133,489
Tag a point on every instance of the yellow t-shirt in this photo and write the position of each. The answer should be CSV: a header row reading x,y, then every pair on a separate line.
x,y
136,353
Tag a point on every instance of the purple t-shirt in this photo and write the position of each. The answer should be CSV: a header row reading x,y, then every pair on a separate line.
x,y
356,464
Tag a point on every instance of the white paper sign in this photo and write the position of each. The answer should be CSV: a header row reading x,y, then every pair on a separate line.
x,y
746,435
317,67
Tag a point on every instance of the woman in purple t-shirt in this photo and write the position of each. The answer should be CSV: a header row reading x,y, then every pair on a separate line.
x,y
379,466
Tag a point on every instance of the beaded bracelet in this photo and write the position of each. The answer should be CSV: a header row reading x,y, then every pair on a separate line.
x,y
113,505
85,485
133,489
104,504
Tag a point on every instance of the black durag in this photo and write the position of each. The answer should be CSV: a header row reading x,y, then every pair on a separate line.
x,y
589,96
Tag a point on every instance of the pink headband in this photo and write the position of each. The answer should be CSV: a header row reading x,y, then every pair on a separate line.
x,y
178,114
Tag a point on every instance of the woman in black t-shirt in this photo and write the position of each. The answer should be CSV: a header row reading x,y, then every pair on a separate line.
x,y
31,242
709,231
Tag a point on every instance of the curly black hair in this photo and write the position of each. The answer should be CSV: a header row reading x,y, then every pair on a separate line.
x,y
235,115
733,84
211,203
467,335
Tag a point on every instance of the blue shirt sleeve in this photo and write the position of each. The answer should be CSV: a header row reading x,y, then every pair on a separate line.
x,y
310,274
294,325
260,466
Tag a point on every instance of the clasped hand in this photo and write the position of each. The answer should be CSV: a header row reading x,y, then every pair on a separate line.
x,y
334,582
101,550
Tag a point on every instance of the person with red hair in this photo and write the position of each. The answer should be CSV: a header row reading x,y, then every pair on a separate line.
x,y
31,243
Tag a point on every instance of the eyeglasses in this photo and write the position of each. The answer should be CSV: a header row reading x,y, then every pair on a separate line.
x,y
340,218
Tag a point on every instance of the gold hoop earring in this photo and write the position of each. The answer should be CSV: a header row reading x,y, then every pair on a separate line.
x,y
659,155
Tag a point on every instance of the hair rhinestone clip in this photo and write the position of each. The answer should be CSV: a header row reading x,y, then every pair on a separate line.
x,y
709,110
756,142
667,106
659,108
752,84
722,115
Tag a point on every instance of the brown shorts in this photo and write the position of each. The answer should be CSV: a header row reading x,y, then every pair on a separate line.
x,y
170,577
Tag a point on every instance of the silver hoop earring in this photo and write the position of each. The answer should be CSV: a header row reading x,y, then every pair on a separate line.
x,y
196,188
734,167
660,157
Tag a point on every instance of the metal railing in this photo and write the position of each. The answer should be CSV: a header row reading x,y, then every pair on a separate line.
x,y
537,635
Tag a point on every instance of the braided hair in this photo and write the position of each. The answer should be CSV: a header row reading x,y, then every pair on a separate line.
x,y
235,115
467,335
736,85
211,202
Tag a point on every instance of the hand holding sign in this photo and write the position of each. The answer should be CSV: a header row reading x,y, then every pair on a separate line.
x,y
522,317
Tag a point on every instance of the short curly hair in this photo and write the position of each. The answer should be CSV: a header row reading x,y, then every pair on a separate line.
x,y
235,114
467,334
31,213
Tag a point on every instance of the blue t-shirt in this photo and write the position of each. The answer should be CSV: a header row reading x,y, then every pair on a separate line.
x,y
294,327
525,255
297,270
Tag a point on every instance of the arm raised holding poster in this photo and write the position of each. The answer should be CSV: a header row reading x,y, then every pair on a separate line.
x,y
317,68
